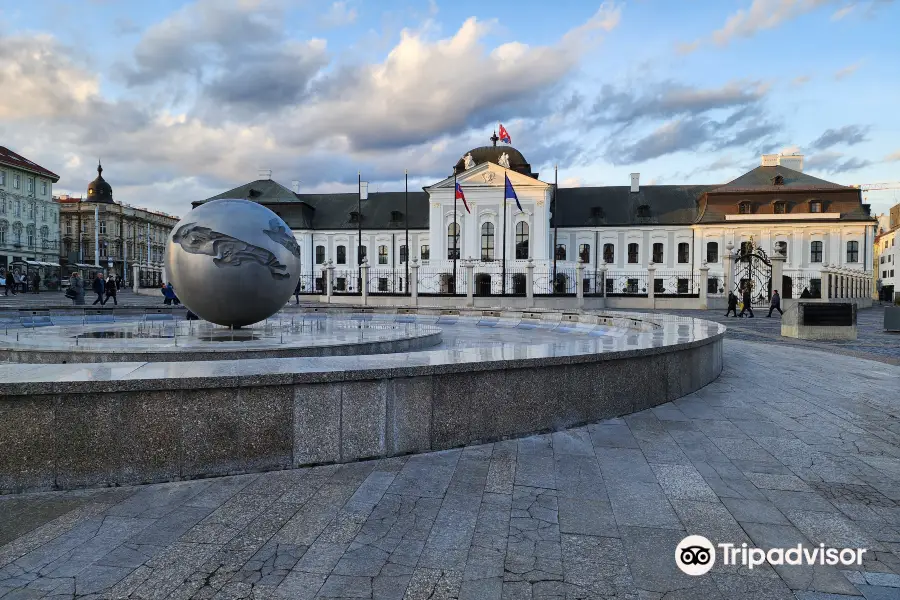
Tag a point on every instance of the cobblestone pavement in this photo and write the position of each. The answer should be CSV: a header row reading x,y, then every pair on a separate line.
x,y
58,299
873,342
788,446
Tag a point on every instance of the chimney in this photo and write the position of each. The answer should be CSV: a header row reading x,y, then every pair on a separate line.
x,y
635,182
265,174
295,186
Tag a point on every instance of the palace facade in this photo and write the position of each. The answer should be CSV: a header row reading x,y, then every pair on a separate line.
x,y
675,230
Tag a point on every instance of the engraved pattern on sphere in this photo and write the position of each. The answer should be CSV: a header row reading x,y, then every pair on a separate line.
x,y
226,250
233,262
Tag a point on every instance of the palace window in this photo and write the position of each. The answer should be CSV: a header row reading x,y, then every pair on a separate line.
x,y
815,206
44,188
643,211
453,250
404,254
18,207
657,252
29,184
2,177
522,240
362,253
584,253
780,208
68,227
17,181
712,252
684,252
633,254
746,248
396,216
744,208
342,255
102,227
44,212
31,211
382,255
659,286
354,217
4,226
815,252
320,255
425,252
609,253
560,252
712,285
779,180
852,252
487,241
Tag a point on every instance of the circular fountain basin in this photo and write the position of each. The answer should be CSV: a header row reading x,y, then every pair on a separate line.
x,y
177,341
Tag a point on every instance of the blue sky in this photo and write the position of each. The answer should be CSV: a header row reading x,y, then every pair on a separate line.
x,y
186,99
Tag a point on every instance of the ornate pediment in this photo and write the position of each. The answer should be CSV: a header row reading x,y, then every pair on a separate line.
x,y
487,174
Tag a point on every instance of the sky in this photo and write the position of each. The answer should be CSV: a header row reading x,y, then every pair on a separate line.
x,y
183,100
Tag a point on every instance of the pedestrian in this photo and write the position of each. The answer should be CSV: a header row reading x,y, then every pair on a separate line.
x,y
172,294
37,283
21,282
99,287
732,304
111,290
10,282
775,304
76,289
297,289
747,302
3,276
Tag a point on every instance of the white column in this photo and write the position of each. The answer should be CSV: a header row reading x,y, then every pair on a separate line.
x,y
728,264
529,283
414,281
777,273
579,283
364,280
704,285
601,280
469,266
329,279
136,277
651,275
96,234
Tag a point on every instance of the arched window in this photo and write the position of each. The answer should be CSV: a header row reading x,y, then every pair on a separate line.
x,y
404,254
815,252
658,252
852,252
17,233
30,236
453,241
320,255
744,208
425,252
609,253
684,252
521,240
712,252
342,255
4,227
560,252
584,253
487,241
382,255
633,254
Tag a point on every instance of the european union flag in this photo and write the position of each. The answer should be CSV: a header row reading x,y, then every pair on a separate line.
x,y
511,193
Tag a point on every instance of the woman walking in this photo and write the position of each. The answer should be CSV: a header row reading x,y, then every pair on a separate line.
x,y
111,290
76,287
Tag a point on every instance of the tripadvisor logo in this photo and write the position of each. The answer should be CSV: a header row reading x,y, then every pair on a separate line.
x,y
696,555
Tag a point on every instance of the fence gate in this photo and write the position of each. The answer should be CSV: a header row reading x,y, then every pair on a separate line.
x,y
754,269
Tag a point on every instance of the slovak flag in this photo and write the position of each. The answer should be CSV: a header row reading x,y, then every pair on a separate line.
x,y
461,196
511,193
504,135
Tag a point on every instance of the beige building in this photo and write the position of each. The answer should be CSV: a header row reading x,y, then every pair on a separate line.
x,y
97,231
29,217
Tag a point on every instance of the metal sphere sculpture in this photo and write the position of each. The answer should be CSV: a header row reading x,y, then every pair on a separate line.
x,y
233,262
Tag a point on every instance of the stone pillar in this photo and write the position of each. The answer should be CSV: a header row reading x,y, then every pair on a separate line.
x,y
136,270
826,283
651,276
601,280
329,279
777,274
704,285
579,283
529,283
364,280
413,282
469,265
728,264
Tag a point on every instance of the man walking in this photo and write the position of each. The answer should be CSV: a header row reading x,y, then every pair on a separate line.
x,y
732,304
99,287
775,304
746,300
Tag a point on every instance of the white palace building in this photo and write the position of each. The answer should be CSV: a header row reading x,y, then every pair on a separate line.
x,y
674,245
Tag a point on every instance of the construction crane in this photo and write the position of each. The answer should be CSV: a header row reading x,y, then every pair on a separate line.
x,y
869,187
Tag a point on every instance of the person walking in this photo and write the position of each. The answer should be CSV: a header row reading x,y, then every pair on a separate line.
x,y
77,287
3,276
10,282
167,297
297,289
172,294
111,290
36,282
23,281
746,299
732,304
99,287
775,304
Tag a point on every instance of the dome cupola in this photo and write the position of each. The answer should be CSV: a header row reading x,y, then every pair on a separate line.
x,y
99,189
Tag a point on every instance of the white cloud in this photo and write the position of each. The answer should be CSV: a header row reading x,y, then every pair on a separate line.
x,y
339,15
762,15
847,71
843,12
894,157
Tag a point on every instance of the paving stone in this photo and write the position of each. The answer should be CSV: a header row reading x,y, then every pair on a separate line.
x,y
754,511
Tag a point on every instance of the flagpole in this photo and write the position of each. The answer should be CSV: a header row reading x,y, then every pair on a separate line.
x,y
455,230
555,222
503,266
406,195
359,229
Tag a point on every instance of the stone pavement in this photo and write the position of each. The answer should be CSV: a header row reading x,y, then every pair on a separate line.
x,y
58,299
874,343
788,446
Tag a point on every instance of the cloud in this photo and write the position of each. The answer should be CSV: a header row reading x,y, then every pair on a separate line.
x,y
892,157
849,135
339,15
762,15
847,71
685,48
668,99
125,26
833,162
800,80
842,12
674,136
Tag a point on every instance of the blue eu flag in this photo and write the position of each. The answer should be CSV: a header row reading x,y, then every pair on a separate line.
x,y
511,193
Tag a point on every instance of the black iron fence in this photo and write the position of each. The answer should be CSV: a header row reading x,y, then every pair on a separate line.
x,y
441,281
388,282
560,283
797,284
629,283
680,284
491,280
